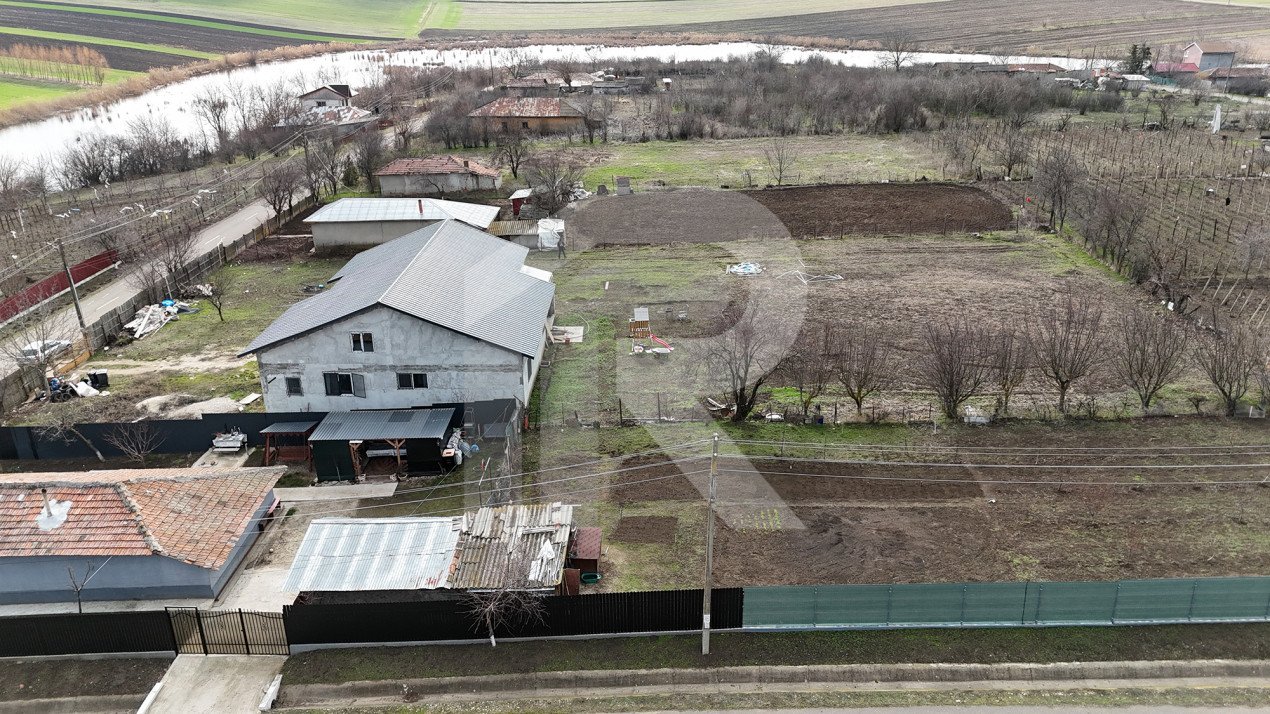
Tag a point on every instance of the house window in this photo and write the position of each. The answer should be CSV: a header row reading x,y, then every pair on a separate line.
x,y
320,103
339,384
524,125
412,380
363,342
505,127
294,388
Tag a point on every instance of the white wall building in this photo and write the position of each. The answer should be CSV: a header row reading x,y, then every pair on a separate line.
x,y
371,221
445,314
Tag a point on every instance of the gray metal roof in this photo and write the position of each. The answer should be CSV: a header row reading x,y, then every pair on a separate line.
x,y
367,210
375,554
521,547
288,427
449,274
380,425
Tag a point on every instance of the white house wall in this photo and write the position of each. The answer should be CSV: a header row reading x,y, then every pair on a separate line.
x,y
425,185
331,235
459,368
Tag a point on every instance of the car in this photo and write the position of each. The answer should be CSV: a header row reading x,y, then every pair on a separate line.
x,y
43,350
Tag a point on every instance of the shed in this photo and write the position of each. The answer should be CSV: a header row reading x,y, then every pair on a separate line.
x,y
288,441
372,554
518,199
585,548
372,221
639,327
519,547
345,442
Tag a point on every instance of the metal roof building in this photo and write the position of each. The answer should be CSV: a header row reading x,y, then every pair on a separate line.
x,y
347,554
517,546
367,210
383,425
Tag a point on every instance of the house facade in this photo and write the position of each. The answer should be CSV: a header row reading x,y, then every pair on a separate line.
x,y
436,174
1209,55
327,96
128,534
446,314
530,115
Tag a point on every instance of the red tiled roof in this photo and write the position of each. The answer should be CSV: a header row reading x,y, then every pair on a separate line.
x,y
436,165
192,515
527,107
1171,67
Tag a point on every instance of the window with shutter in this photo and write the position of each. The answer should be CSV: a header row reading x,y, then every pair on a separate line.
x,y
358,385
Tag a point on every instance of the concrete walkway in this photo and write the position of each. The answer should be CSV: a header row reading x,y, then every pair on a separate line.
x,y
335,493
216,684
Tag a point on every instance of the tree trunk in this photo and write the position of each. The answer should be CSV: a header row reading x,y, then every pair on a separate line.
x,y
89,444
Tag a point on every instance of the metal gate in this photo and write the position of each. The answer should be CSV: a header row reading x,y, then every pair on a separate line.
x,y
228,631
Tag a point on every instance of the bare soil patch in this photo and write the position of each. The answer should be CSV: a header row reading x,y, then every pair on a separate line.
x,y
276,248
870,209
660,480
812,481
662,217
52,678
646,529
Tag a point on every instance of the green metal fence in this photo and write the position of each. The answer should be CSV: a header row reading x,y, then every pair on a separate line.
x,y
1027,604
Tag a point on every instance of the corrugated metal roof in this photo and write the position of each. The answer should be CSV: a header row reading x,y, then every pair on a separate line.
x,y
521,547
380,425
289,427
514,228
448,274
527,107
375,554
370,210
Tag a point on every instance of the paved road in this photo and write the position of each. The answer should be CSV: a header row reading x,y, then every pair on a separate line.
x,y
119,291
216,684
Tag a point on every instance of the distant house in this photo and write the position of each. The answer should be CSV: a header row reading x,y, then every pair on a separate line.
x,y
131,534
1230,77
1209,55
326,96
528,114
436,174
1035,68
532,87
1174,69
1134,82
444,315
371,221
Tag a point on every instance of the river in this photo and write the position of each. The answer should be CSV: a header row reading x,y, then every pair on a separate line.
x,y
44,141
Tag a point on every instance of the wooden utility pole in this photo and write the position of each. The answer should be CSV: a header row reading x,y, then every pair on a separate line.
x,y
705,600
79,311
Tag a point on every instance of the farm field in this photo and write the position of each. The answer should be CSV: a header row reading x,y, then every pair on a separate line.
x,y
524,15
14,92
841,158
1063,27
373,18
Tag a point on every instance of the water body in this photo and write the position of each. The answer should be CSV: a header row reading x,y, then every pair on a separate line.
x,y
44,141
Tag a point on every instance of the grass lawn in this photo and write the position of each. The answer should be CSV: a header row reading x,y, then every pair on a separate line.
x,y
20,91
91,40
713,163
7,64
387,18
526,15
48,679
1074,644
210,24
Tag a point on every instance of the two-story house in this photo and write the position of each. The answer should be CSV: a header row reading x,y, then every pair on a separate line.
x,y
1209,55
443,315
327,96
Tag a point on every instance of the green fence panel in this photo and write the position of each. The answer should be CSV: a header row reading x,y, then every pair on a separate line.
x,y
1003,604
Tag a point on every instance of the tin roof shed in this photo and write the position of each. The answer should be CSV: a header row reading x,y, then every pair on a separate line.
x,y
351,554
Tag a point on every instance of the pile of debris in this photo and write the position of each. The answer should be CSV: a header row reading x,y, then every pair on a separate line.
x,y
151,317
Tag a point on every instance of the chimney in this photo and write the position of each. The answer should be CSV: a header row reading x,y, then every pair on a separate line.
x,y
421,206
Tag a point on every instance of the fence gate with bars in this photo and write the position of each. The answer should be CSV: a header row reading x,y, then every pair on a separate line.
x,y
228,631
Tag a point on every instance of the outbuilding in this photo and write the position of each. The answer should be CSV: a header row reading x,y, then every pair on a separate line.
x,y
408,440
372,221
436,175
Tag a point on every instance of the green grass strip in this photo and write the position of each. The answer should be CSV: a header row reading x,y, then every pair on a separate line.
x,y
90,40
9,67
210,24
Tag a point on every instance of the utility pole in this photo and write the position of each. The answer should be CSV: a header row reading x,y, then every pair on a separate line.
x,y
79,311
705,601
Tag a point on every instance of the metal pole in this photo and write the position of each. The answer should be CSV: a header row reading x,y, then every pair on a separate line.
x,y
709,585
79,311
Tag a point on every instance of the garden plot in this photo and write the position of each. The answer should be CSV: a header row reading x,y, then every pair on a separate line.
x,y
869,209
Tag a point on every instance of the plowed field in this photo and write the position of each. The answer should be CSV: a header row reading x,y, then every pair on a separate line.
x,y
870,209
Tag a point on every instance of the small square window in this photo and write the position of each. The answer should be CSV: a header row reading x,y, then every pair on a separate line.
x,y
294,388
412,380
363,342
524,125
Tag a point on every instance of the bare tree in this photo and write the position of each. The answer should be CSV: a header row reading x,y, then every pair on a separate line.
x,y
1009,363
512,603
1065,341
553,177
781,157
78,584
567,67
1057,177
279,184
368,154
1012,150
898,48
810,370
514,150
1115,223
61,421
215,290
41,336
863,360
1150,352
1229,358
211,107
137,440
746,355
954,365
